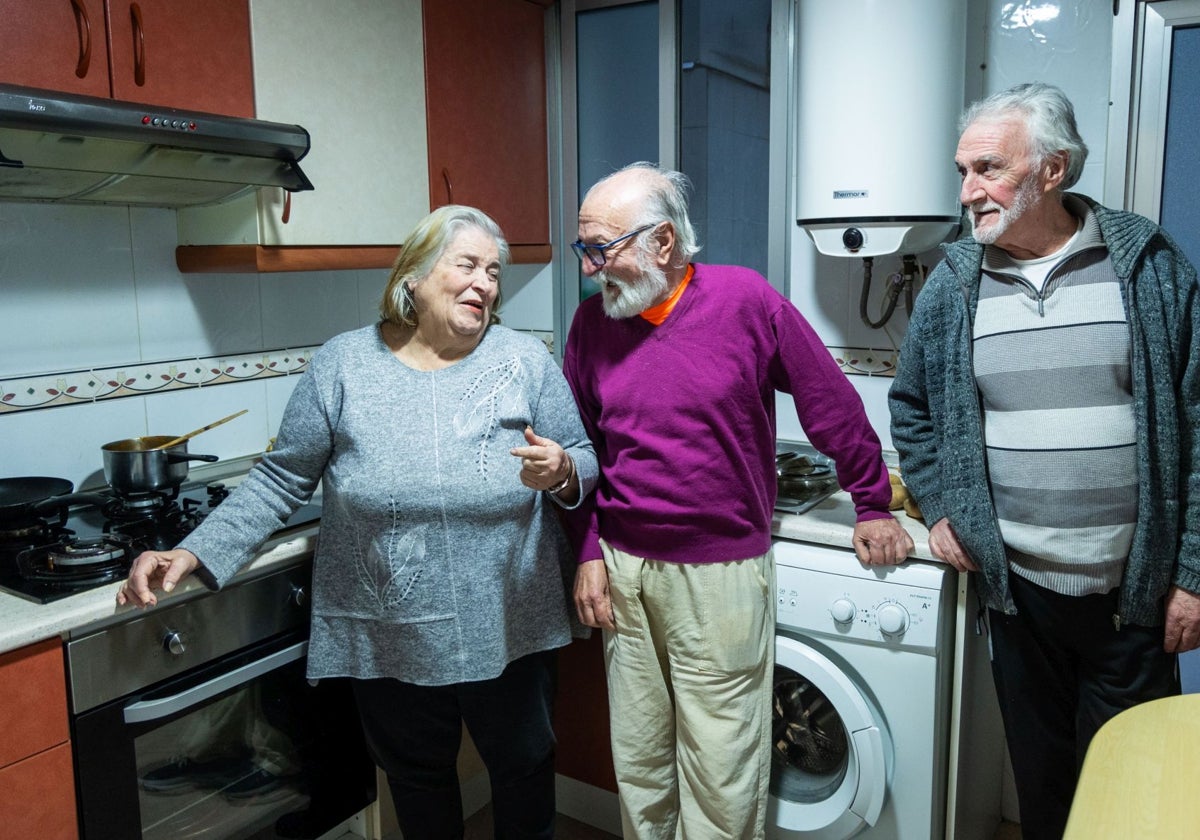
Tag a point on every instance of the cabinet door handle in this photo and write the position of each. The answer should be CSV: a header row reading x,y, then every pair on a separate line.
x,y
287,207
449,185
139,45
83,27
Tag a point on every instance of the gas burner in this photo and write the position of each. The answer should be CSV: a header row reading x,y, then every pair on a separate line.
x,y
86,552
139,505
78,562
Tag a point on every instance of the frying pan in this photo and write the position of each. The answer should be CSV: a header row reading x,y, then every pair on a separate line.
x,y
17,495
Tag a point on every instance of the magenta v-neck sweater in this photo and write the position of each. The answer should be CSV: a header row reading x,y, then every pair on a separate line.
x,y
682,417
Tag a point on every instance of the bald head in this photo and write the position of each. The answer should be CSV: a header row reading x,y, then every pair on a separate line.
x,y
642,194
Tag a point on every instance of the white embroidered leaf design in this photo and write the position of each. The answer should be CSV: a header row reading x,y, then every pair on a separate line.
x,y
483,403
393,563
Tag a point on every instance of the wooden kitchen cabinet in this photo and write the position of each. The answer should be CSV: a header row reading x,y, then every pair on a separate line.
x,y
366,106
485,99
194,57
37,781
55,44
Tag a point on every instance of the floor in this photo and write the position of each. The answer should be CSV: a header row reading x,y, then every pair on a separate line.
x,y
479,827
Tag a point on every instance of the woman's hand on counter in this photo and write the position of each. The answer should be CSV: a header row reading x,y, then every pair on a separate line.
x,y
155,570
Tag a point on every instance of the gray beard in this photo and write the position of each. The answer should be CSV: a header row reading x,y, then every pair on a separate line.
x,y
1026,195
623,299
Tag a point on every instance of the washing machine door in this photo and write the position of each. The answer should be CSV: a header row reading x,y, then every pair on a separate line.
x,y
829,749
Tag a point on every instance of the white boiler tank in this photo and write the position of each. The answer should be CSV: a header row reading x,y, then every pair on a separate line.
x,y
879,94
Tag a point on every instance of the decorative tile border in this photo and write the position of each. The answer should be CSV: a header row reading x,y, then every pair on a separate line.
x,y
866,361
80,387
87,386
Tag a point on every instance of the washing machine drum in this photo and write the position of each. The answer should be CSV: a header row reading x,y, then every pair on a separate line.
x,y
830,751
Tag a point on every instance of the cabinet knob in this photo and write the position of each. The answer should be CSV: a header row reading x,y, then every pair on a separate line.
x,y
173,643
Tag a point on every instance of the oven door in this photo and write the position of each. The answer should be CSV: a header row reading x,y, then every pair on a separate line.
x,y
243,747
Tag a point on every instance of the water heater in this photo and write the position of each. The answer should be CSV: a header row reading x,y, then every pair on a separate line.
x,y
879,95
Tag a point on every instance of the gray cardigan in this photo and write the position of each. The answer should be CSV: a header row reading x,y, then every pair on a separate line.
x,y
937,425
434,565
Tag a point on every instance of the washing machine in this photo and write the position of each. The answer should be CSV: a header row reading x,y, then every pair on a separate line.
x,y
862,697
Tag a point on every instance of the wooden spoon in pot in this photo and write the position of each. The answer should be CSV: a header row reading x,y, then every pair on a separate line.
x,y
191,435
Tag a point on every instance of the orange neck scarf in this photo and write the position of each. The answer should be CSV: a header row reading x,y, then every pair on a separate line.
x,y
657,314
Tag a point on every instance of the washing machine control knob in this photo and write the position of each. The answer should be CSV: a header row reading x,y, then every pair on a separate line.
x,y
843,610
893,619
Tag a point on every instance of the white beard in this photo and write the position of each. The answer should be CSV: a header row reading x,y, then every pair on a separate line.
x,y
624,299
1026,195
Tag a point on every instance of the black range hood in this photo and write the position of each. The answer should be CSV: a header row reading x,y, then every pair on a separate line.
x,y
62,147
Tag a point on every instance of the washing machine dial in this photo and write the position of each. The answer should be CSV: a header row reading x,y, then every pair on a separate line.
x,y
843,610
893,619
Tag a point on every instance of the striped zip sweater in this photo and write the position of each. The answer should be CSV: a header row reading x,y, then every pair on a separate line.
x,y
1052,366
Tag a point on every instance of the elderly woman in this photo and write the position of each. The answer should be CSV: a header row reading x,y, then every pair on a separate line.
x,y
444,441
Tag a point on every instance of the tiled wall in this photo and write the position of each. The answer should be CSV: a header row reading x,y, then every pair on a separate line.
x,y
101,337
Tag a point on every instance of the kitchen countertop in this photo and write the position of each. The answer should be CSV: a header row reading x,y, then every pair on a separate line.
x,y
832,523
23,622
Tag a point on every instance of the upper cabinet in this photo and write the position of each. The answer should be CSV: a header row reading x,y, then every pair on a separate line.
x,y
194,57
55,44
485,95
351,74
390,92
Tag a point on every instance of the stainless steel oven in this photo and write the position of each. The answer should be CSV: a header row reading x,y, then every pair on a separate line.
x,y
194,719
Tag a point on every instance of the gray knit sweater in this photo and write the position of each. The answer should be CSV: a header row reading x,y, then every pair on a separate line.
x,y
435,565
937,424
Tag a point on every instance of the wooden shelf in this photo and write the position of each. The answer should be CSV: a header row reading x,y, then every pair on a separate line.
x,y
255,259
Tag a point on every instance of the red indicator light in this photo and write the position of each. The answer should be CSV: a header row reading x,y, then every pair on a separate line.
x,y
145,120
192,126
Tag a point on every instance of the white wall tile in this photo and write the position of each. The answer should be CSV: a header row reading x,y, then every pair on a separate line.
x,y
179,412
370,292
65,442
308,308
528,298
188,314
66,286
278,391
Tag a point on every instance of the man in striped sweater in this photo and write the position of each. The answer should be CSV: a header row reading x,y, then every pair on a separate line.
x,y
1047,410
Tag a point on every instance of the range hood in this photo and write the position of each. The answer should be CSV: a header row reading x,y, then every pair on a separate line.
x,y
62,147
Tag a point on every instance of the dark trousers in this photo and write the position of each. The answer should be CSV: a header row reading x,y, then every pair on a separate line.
x,y
413,732
1061,670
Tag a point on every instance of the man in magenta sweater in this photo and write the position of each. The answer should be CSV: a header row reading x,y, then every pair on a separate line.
x,y
674,367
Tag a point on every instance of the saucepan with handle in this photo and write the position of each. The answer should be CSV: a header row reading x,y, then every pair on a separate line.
x,y
154,462
142,465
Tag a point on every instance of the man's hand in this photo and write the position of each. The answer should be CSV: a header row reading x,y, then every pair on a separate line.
x,y
1183,621
881,542
944,545
592,599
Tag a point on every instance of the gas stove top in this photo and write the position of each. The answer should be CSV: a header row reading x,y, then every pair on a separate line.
x,y
91,539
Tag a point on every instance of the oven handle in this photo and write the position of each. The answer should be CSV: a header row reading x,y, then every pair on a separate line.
x,y
148,710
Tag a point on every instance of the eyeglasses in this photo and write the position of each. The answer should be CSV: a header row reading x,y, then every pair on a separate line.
x,y
595,253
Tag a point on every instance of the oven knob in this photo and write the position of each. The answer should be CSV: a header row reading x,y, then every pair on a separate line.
x,y
842,610
173,642
299,595
893,619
